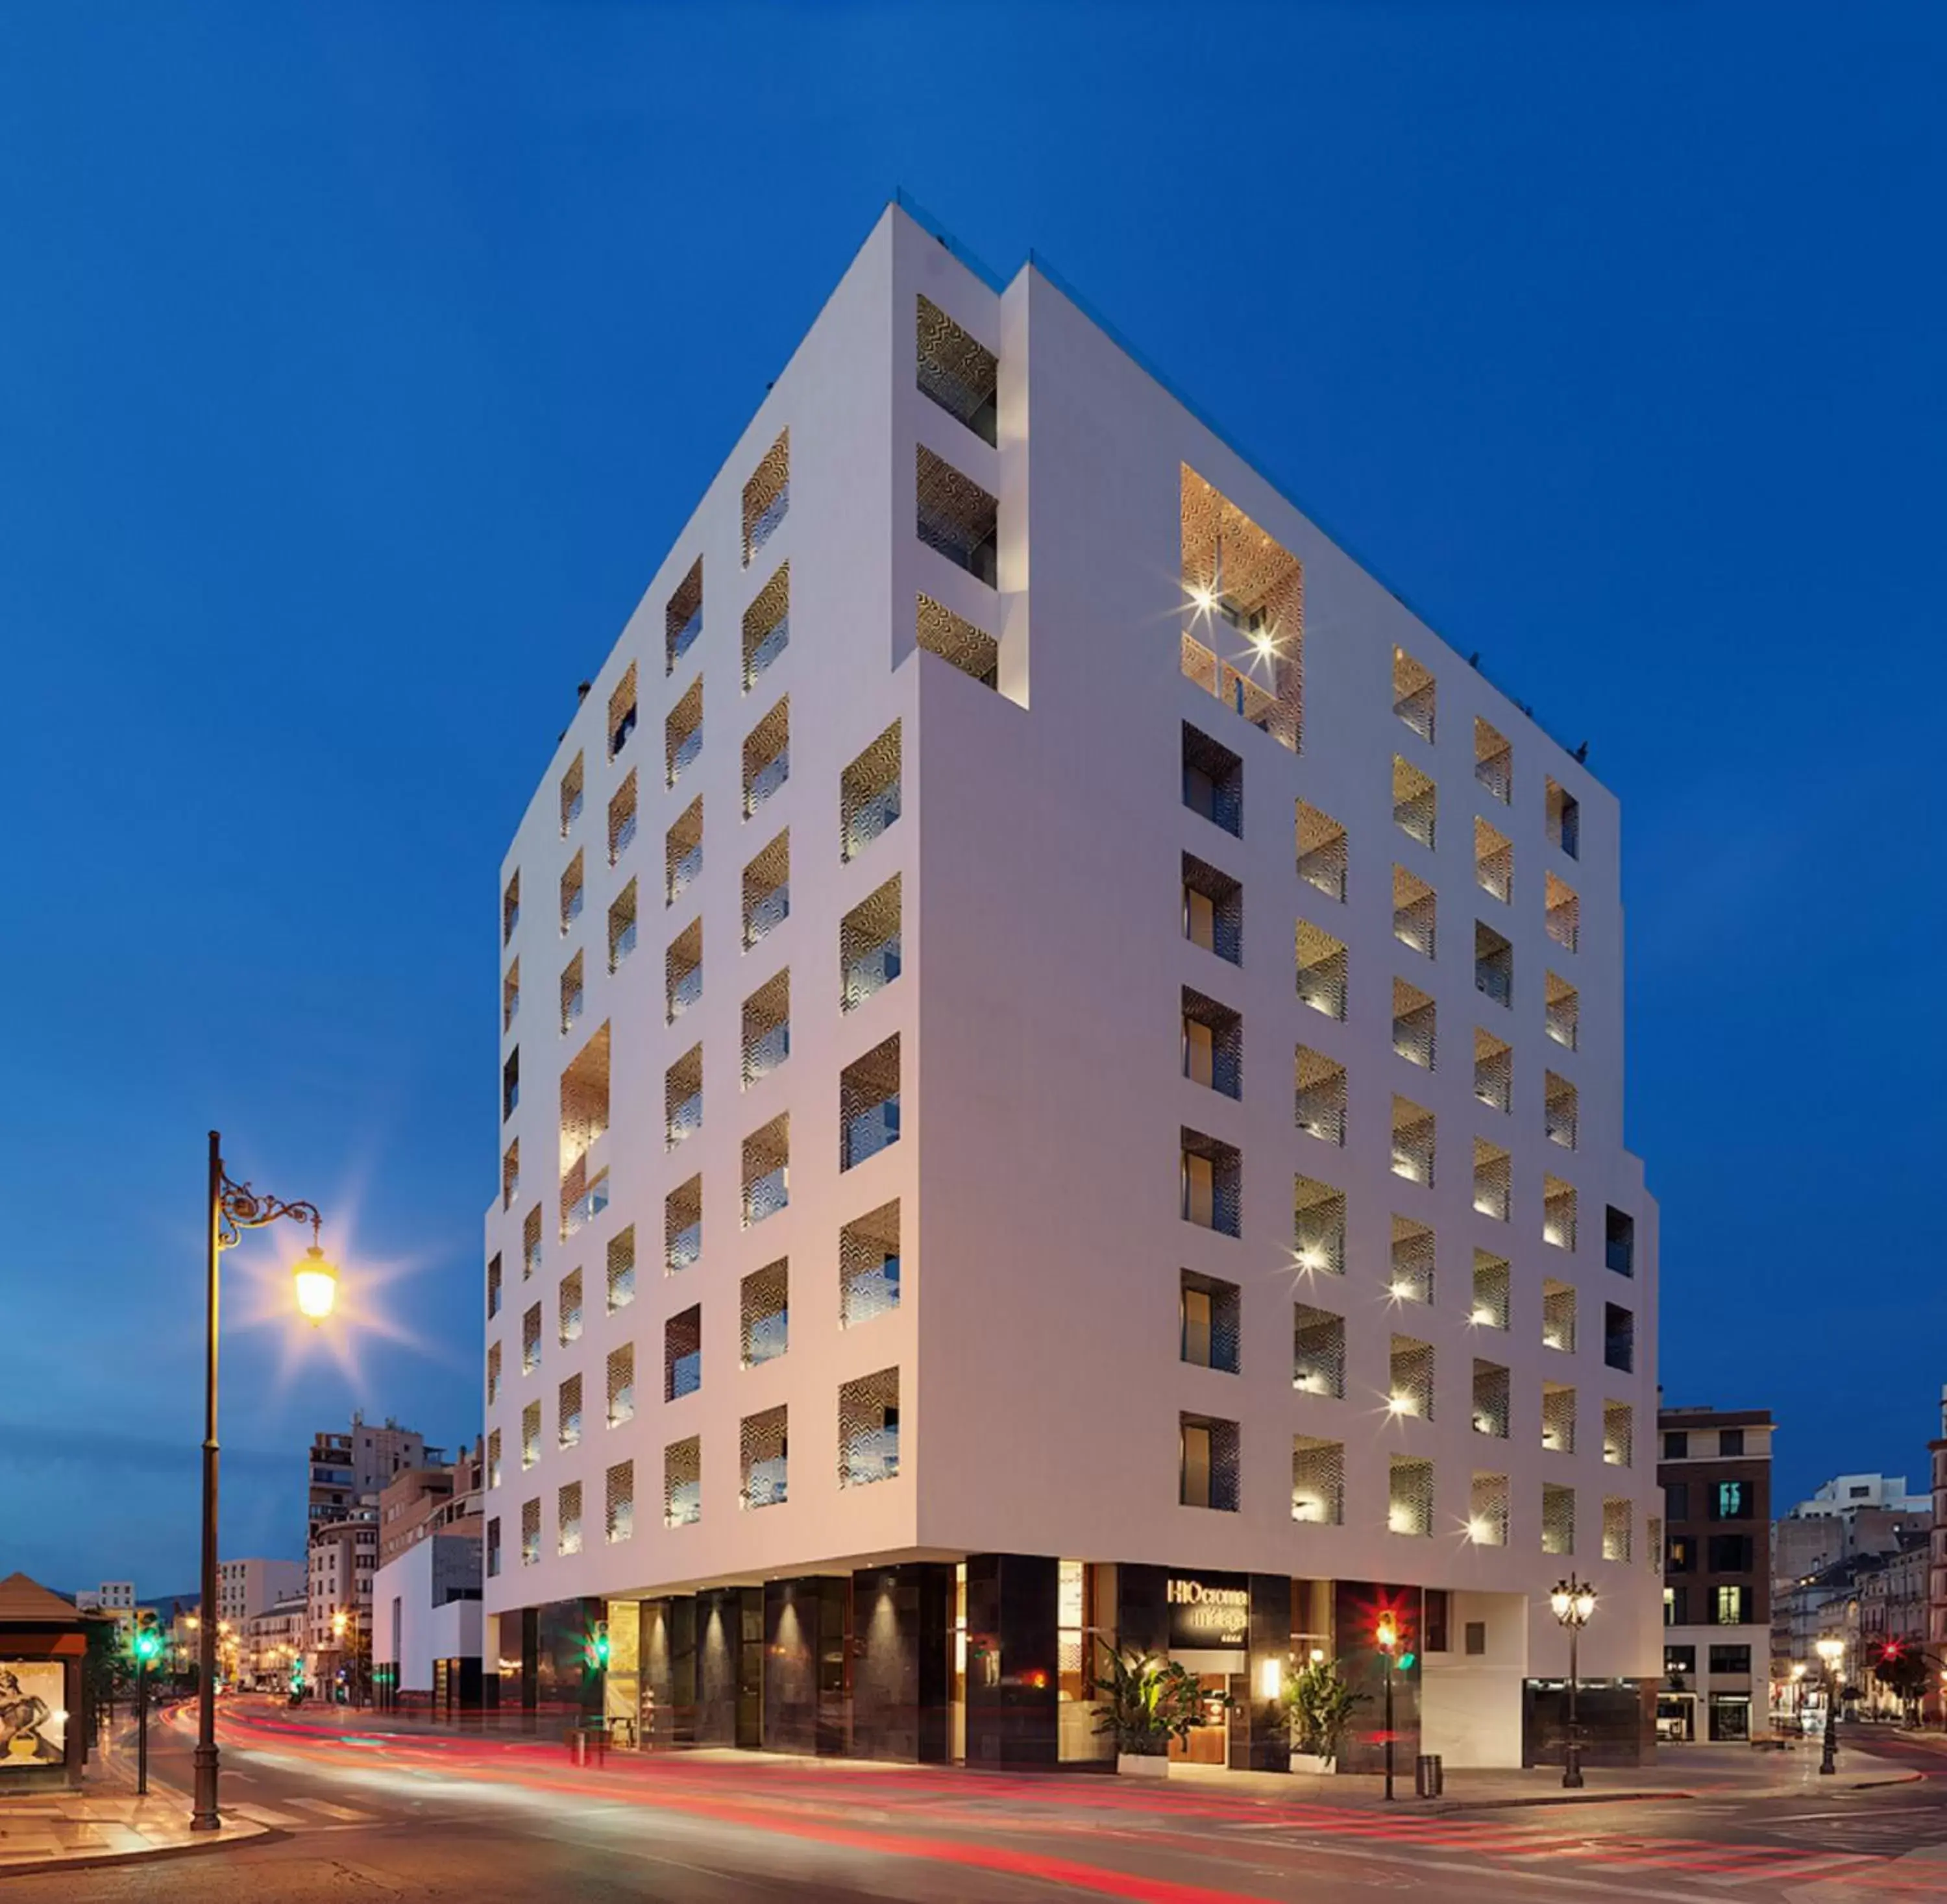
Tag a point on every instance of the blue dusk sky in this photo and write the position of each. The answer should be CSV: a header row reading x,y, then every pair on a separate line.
x,y
361,361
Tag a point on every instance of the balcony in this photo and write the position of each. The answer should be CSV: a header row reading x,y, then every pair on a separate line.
x,y
1243,642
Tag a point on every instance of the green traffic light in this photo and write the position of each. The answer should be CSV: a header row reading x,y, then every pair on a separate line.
x,y
598,1649
1405,1661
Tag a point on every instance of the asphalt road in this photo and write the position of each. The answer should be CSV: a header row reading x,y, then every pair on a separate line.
x,y
365,1816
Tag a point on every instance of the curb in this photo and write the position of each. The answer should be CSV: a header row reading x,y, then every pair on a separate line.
x,y
1446,1806
103,1860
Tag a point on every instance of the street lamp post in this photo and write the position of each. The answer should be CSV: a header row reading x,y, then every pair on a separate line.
x,y
1573,1602
230,1210
1386,1638
1831,1651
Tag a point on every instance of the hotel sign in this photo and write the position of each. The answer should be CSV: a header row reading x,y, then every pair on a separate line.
x,y
1208,1612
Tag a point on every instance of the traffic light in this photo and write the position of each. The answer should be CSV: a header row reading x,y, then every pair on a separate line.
x,y
598,1647
1385,1635
148,1645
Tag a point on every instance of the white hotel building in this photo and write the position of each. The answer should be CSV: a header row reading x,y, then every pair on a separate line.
x,y
1057,1043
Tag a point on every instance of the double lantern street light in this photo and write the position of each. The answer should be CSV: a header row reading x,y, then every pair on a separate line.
x,y
231,1209
1573,1602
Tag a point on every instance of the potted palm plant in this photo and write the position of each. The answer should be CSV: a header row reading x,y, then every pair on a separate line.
x,y
1146,1701
1321,1705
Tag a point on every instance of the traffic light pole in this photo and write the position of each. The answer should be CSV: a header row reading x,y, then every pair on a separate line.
x,y
1389,1724
141,1725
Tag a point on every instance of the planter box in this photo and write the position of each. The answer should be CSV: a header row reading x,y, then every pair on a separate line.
x,y
1137,1765
1311,1762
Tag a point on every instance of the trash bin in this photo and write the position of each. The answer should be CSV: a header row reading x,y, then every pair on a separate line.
x,y
1428,1780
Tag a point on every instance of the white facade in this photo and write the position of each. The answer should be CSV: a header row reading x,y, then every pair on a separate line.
x,y
1049,1053
245,1588
421,1612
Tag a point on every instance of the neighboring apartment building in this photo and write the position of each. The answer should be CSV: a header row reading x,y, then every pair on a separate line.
x,y
348,1469
115,1598
1062,1063
344,1556
244,1588
1851,1514
1715,1471
1892,1590
274,1643
1936,1568
424,1500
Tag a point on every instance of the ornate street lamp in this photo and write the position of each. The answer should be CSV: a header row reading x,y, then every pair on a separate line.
x,y
231,1209
1573,1603
1831,1651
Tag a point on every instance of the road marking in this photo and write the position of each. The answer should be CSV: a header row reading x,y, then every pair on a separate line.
x,y
1797,1870
264,1814
328,1809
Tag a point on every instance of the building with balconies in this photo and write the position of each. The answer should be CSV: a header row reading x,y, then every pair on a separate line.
x,y
1121,1041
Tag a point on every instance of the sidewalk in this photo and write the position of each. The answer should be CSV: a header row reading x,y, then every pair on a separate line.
x,y
105,1823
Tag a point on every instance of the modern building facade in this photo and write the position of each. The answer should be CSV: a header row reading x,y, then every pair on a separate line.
x,y
426,1650
1715,1471
1061,1075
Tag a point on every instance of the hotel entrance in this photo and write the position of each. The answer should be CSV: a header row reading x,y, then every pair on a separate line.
x,y
1209,1629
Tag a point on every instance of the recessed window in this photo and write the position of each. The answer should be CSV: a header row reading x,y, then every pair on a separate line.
x,y
682,971
1213,1045
1618,1526
571,796
1213,909
1211,1183
1493,965
1619,1240
571,891
682,852
1558,1417
1619,1434
1320,1096
682,1482
869,1104
1209,1317
682,733
767,1170
622,818
1558,1518
767,627
622,711
1565,820
1414,1024
1318,1228
1409,1495
1213,781
1564,1021
1619,1338
957,642
621,1267
869,957
1493,862
957,517
683,1098
1322,852
618,1491
1415,911
868,794
683,618
1410,1276
1563,915
1415,803
868,1266
1414,693
683,1227
957,372
764,1448
764,1305
767,497
1493,761
1486,1527
1409,1385
1323,970
1318,1481
1493,1179
1558,1217
767,757
767,891
683,1353
1413,1131
868,1429
1560,1116
1494,1071
1558,1316
1490,1399
510,909
1208,1463
1494,1290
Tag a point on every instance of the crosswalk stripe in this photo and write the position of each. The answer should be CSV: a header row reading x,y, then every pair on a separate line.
x,y
328,1809
264,1814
